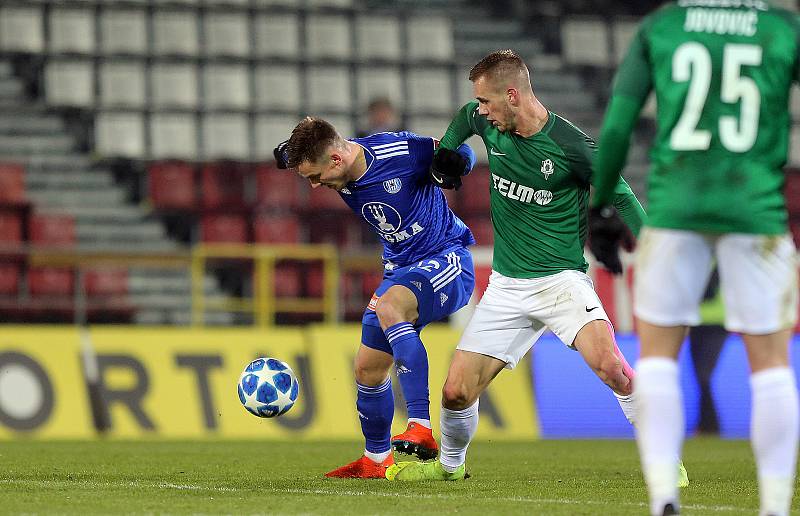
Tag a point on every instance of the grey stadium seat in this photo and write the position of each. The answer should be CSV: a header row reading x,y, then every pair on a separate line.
x,y
277,87
329,88
122,84
173,135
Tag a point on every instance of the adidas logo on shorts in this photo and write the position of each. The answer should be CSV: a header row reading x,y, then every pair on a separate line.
x,y
443,298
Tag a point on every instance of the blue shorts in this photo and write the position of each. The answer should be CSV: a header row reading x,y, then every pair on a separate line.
x,y
442,283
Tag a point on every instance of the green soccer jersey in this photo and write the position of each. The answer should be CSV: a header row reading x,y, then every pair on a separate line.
x,y
539,193
721,71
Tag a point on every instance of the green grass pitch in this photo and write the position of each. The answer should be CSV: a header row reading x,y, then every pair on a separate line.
x,y
542,477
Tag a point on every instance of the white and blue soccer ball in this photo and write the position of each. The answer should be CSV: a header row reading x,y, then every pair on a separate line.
x,y
268,387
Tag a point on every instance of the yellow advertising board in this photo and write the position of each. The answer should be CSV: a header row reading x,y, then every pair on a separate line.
x,y
181,383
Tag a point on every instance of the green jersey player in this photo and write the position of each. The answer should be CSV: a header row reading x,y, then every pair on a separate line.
x,y
721,71
540,175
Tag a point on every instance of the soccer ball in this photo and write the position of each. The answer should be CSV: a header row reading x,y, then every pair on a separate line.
x,y
268,387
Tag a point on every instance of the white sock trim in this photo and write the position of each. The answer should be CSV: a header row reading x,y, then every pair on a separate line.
x,y
424,422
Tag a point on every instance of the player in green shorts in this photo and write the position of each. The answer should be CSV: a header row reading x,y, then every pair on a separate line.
x,y
540,176
721,71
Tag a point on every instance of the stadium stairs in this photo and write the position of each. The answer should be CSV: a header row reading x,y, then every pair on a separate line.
x,y
59,180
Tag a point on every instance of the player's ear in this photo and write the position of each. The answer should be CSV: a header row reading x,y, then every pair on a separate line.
x,y
512,96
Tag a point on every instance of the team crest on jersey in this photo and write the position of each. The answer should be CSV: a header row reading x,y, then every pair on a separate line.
x,y
547,170
392,186
382,216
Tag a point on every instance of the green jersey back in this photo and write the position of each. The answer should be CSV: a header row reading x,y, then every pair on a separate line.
x,y
722,72
539,193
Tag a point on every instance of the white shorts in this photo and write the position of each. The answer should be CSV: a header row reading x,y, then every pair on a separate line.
x,y
513,313
758,279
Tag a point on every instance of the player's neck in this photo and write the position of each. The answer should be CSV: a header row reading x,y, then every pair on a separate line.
x,y
358,165
531,118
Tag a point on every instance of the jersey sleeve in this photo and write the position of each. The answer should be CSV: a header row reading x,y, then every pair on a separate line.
x,y
464,124
421,149
632,84
628,206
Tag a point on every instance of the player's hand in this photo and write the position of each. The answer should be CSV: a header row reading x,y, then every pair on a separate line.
x,y
607,233
281,156
447,168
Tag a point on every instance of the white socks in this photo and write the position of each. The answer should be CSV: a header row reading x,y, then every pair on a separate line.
x,y
774,435
424,422
628,406
458,427
659,428
377,457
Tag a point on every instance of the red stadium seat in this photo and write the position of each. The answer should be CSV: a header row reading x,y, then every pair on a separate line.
x,y
474,194
12,184
10,227
323,198
794,227
792,192
278,189
172,186
288,280
223,185
342,230
370,281
50,281
481,227
9,279
223,228
106,282
315,280
51,229
276,229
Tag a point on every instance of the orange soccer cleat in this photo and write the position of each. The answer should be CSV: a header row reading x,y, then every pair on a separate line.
x,y
416,440
362,468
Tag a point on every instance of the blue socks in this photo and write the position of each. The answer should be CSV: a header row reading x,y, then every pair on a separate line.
x,y
411,361
375,410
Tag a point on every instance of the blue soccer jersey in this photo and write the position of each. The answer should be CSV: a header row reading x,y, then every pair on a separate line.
x,y
395,197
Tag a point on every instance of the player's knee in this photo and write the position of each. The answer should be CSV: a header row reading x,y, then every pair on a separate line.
x,y
369,374
389,313
456,396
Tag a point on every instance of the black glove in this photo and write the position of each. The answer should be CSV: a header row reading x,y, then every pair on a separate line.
x,y
447,168
607,233
281,155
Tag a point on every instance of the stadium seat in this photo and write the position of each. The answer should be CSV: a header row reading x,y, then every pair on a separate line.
x,y
329,88
794,146
429,38
123,31
227,86
474,194
174,85
270,130
288,282
340,228
623,31
379,81
50,281
277,189
9,278
276,229
277,35
171,185
430,91
794,104
226,136
122,84
481,227
71,31
278,87
330,3
328,37
227,34
173,135
21,29
792,192
51,229
223,228
429,126
120,134
584,41
223,184
69,83
10,227
12,184
378,38
106,282
370,281
175,33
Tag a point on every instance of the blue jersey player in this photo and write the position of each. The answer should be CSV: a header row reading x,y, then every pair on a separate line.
x,y
387,179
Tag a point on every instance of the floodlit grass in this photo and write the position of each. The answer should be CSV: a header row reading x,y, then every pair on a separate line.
x,y
543,477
